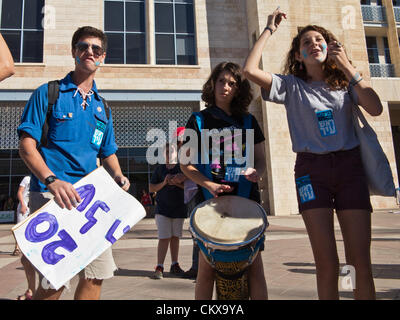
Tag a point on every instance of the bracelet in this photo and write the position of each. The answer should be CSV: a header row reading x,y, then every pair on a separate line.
x,y
49,179
355,83
270,30
355,80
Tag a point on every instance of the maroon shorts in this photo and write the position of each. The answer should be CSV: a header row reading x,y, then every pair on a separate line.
x,y
335,180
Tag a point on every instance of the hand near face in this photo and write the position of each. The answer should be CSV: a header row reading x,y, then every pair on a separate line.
x,y
337,54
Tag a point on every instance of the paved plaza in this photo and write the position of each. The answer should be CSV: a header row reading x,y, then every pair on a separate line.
x,y
288,263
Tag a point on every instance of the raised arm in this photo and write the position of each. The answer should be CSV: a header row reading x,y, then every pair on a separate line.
x,y
6,60
251,68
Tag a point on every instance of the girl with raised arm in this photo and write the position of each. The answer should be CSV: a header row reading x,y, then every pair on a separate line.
x,y
319,88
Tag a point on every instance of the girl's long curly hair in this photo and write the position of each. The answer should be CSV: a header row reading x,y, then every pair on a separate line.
x,y
334,77
240,103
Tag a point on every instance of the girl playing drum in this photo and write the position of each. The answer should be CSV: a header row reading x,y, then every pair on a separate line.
x,y
227,96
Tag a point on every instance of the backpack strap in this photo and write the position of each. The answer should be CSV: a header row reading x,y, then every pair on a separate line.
x,y
52,96
106,107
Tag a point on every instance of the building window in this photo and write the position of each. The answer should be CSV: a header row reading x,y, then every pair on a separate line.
x,y
387,51
368,2
174,32
125,27
21,27
372,50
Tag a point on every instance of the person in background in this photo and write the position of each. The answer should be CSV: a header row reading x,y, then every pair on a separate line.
x,y
167,181
146,201
8,204
22,209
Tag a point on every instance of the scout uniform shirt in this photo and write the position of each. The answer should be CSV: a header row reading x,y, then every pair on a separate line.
x,y
76,135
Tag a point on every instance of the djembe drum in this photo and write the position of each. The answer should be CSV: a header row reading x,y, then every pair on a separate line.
x,y
229,231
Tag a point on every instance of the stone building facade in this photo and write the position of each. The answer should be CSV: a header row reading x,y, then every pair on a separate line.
x,y
200,34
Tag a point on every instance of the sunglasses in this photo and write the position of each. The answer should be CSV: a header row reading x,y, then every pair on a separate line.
x,y
84,46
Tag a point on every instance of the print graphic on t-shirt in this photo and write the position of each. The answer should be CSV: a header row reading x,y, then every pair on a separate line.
x,y
232,174
326,123
226,154
305,189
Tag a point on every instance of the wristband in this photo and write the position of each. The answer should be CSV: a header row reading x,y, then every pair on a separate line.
x,y
49,179
355,80
270,30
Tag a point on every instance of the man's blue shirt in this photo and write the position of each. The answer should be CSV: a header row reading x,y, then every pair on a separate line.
x,y
76,135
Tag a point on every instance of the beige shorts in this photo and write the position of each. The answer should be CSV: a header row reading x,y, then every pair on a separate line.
x,y
169,227
101,268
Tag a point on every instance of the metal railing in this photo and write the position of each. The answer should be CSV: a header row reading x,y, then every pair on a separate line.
x,y
380,70
397,13
373,13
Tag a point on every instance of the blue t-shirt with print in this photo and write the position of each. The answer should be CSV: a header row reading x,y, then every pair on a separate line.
x,y
77,135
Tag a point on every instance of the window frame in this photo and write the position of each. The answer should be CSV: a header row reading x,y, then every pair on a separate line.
x,y
374,50
176,34
124,32
22,30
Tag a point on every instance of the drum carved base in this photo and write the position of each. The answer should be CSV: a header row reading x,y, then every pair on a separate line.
x,y
231,281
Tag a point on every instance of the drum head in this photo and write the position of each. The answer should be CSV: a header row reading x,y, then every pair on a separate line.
x,y
228,220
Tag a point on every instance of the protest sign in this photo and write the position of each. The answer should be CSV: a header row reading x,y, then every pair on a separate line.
x,y
61,242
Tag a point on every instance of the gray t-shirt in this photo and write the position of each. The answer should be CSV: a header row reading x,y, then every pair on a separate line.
x,y
320,119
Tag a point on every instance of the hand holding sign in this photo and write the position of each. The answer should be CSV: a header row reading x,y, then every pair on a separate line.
x,y
64,194
60,243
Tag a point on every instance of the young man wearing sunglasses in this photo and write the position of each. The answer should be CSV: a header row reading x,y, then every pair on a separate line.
x,y
80,130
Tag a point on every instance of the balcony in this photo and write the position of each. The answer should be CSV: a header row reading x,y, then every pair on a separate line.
x,y
379,70
373,14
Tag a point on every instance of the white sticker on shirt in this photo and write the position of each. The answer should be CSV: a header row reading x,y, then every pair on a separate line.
x,y
326,123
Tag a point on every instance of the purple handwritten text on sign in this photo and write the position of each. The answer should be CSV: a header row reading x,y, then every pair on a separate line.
x,y
31,233
50,256
90,215
86,193
110,233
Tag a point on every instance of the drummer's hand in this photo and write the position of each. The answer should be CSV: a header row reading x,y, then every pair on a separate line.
x,y
216,188
251,174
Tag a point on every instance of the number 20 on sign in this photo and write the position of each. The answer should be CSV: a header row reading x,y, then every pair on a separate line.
x,y
65,241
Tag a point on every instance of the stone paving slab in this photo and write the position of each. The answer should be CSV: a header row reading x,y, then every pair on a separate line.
x,y
288,263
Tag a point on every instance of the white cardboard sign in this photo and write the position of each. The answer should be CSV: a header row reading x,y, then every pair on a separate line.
x,y
61,242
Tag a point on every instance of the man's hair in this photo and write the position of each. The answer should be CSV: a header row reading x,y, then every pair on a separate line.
x,y
88,31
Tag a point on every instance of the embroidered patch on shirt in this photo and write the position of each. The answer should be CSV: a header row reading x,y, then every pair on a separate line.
x,y
98,133
305,189
326,123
